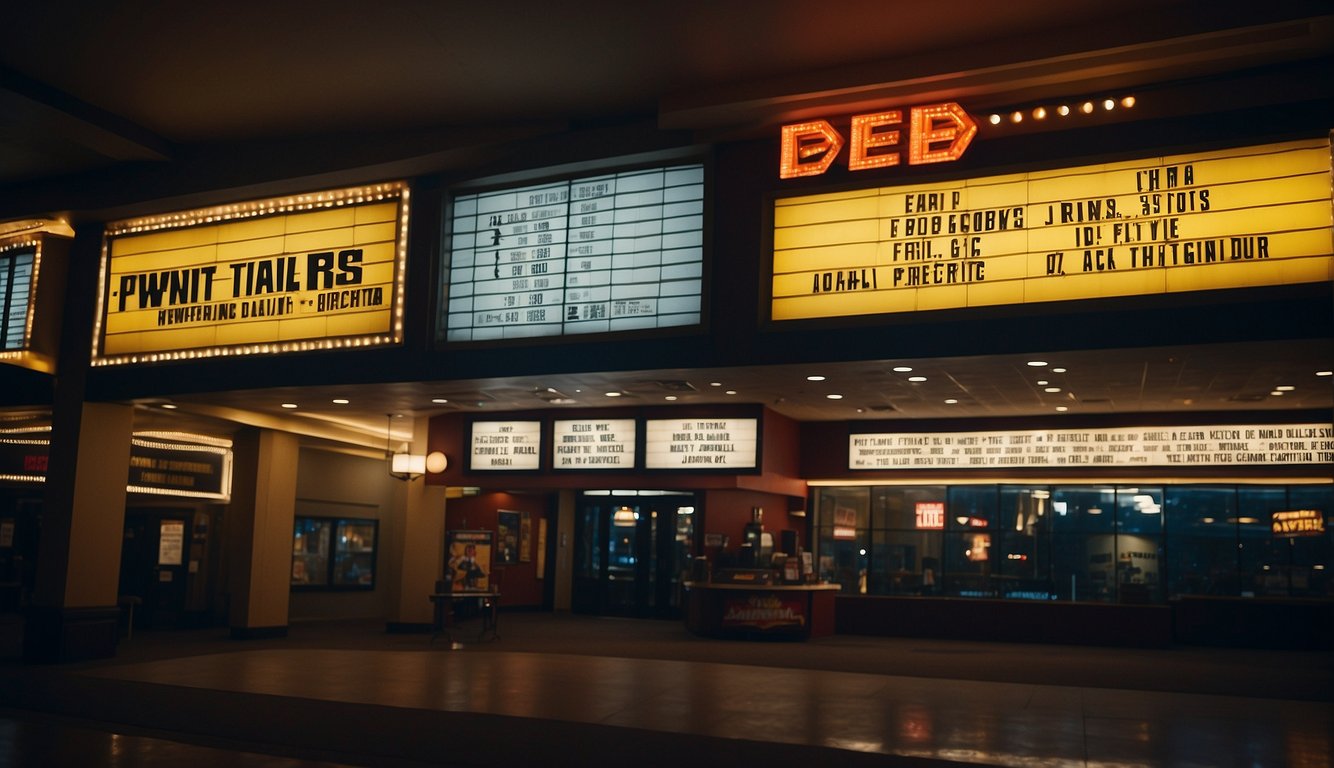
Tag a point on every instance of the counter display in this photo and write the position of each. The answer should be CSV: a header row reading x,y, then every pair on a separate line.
x,y
760,611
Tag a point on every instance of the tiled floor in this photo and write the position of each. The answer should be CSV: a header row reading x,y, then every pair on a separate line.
x,y
403,701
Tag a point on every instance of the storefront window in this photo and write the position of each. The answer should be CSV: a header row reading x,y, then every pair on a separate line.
x,y
970,524
351,542
1092,543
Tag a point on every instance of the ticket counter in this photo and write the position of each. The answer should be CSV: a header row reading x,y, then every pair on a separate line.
x,y
760,611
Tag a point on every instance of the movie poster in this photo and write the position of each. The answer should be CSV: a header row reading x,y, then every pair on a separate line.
x,y
470,560
507,537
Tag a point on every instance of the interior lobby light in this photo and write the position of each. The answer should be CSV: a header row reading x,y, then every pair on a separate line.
x,y
902,369
814,378
1036,363
341,401
917,379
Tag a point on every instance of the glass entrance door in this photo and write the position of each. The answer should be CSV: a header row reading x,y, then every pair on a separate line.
x,y
631,550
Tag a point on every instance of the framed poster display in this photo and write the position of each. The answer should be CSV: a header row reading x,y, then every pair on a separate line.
x,y
507,537
470,560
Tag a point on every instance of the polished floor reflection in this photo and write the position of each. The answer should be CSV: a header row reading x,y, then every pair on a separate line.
x,y
415,703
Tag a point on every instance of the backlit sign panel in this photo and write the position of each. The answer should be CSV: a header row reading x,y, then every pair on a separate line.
x,y
1192,446
593,444
712,443
937,133
614,252
506,445
1212,220
1298,523
317,271
18,272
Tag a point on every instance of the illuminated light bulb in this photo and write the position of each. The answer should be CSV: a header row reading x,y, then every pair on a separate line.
x,y
1086,107
1109,105
951,401
1062,408
994,119
917,378
1128,102
1040,113
834,396
1017,117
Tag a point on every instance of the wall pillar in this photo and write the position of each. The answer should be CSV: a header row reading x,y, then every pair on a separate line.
x,y
74,615
563,590
419,518
259,524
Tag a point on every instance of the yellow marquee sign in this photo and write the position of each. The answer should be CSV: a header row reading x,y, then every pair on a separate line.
x,y
1227,219
317,271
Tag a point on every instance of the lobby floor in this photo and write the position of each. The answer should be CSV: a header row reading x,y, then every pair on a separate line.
x,y
565,690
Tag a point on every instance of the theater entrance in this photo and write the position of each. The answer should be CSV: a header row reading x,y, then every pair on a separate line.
x,y
632,549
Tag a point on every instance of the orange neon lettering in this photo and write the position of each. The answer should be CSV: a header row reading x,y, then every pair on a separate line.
x,y
939,124
803,141
865,140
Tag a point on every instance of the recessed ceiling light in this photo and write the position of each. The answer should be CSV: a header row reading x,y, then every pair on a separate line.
x,y
1037,363
1043,383
1276,393
439,400
903,369
1062,408
730,392
670,397
814,378
613,394
951,401
834,397
1324,373
289,405
169,406
715,383
916,378
1285,388
1058,370
1051,389
341,401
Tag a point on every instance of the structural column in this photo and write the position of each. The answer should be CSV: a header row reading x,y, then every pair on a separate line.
x,y
74,615
259,533
419,519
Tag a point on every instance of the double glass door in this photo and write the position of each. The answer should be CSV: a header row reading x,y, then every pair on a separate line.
x,y
631,552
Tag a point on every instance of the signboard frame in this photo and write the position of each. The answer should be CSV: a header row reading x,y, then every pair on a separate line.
x,y
293,277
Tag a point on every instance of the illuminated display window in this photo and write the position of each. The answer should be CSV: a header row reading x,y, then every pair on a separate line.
x,y
315,271
616,252
17,268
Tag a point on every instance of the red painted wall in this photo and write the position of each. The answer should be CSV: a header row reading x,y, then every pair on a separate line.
x,y
519,582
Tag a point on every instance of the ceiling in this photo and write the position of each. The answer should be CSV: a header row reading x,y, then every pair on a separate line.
x,y
90,90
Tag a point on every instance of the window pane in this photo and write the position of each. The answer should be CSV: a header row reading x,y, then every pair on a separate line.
x,y
844,519
1201,547
310,551
970,522
354,553
1138,545
1312,555
1262,565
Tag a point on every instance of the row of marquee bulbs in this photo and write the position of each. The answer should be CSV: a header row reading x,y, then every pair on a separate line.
x,y
1063,110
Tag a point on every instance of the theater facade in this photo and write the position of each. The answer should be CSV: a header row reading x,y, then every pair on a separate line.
x,y
1032,358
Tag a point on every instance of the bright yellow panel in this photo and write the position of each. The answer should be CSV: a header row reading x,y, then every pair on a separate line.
x,y
380,273
1000,292
827,258
333,218
864,207
250,332
372,253
156,261
241,250
1273,191
376,212
1312,270
380,232
832,196
1131,282
864,231
942,297
252,229
360,323
317,241
170,240
303,328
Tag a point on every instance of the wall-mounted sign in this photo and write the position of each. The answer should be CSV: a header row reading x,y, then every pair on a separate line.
x,y
593,444
618,252
169,464
18,274
930,515
937,133
701,443
317,271
171,543
506,445
1193,446
1298,523
1226,219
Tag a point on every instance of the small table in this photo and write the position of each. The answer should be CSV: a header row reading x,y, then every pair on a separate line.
x,y
444,609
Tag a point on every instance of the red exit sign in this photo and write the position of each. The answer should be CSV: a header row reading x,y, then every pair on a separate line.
x,y
936,133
